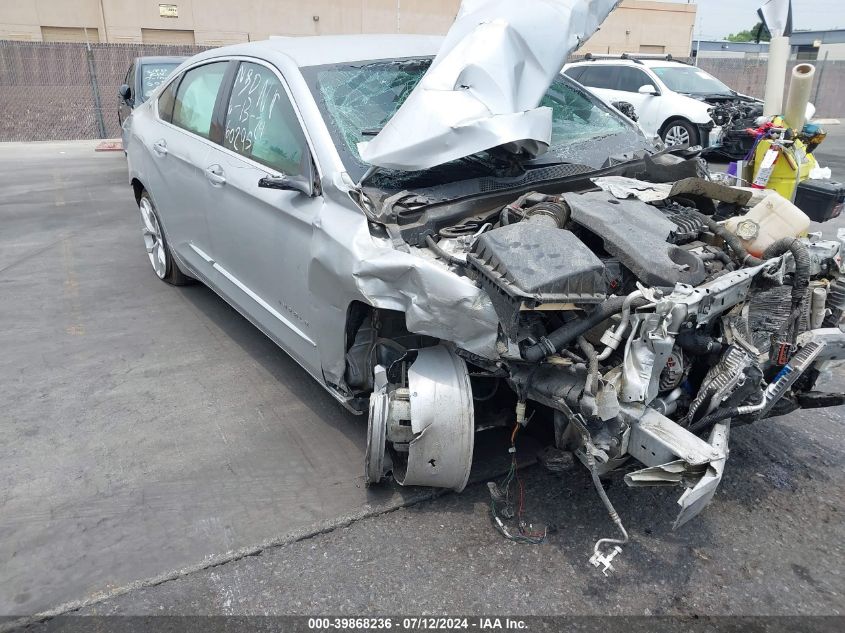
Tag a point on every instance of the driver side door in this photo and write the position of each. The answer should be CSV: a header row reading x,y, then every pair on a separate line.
x,y
261,236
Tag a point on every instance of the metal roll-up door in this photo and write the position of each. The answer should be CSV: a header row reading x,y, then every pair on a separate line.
x,y
68,34
167,36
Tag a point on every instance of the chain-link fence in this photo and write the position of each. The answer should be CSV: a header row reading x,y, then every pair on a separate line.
x,y
60,91
748,76
57,91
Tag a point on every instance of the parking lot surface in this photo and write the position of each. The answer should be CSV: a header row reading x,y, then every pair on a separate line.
x,y
149,432
145,429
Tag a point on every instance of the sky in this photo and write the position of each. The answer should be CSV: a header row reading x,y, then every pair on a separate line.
x,y
718,18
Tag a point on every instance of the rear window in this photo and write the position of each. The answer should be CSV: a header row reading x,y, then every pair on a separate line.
x,y
575,72
166,101
196,97
600,77
632,79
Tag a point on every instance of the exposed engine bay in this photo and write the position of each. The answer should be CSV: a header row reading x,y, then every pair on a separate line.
x,y
736,116
641,326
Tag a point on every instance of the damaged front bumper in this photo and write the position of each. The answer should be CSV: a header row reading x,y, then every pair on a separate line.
x,y
675,457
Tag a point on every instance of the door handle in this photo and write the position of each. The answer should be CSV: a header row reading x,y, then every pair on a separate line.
x,y
160,148
215,176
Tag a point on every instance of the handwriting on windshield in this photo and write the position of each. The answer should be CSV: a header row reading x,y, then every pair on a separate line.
x,y
251,107
153,76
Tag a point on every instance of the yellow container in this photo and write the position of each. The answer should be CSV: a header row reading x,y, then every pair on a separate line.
x,y
782,179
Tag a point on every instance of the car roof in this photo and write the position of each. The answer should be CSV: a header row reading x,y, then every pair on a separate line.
x,y
319,50
160,59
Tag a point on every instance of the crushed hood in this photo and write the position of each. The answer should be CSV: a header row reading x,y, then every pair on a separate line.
x,y
484,86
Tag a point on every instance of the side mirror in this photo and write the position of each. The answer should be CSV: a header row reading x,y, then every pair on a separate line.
x,y
287,183
648,89
626,108
125,93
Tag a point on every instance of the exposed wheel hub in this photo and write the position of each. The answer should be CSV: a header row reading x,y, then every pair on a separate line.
x,y
424,431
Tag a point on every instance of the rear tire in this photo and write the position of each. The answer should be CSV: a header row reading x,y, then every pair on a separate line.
x,y
158,250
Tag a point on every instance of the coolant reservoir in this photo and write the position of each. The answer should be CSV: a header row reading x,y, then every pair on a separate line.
x,y
768,221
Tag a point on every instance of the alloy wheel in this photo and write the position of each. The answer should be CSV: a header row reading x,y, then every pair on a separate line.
x,y
153,240
676,135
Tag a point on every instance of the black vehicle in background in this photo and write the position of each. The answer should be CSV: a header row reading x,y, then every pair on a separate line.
x,y
144,75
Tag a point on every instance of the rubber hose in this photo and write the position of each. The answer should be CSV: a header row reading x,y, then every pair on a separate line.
x,y
592,365
544,211
737,249
710,419
835,302
801,255
565,334
614,516
434,246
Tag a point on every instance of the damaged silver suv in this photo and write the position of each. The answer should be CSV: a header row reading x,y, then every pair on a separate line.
x,y
443,267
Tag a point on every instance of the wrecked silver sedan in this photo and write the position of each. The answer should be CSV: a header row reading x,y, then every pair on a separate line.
x,y
537,257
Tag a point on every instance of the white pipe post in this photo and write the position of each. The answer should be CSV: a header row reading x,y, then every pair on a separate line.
x,y
779,50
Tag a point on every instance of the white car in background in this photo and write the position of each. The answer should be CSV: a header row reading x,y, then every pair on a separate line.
x,y
673,100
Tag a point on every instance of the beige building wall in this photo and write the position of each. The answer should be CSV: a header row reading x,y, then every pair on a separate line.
x,y
641,26
218,22
832,52
637,26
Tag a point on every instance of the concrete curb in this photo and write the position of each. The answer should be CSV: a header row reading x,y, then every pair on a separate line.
x,y
398,502
227,557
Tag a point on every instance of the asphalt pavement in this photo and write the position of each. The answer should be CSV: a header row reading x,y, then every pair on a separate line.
x,y
173,445
145,430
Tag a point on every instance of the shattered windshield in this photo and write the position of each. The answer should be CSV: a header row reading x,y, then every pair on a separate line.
x,y
690,80
357,100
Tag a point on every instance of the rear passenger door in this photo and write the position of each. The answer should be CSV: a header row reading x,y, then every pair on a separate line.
x,y
261,237
179,153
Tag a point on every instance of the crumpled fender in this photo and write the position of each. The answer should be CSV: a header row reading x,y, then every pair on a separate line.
x,y
436,302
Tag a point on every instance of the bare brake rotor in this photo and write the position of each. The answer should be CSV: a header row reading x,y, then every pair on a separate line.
x,y
377,428
423,432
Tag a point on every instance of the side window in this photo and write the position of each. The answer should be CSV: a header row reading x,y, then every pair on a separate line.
x,y
600,77
575,72
632,79
196,96
261,123
166,101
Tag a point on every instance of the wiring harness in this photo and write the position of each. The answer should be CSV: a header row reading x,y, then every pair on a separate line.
x,y
504,507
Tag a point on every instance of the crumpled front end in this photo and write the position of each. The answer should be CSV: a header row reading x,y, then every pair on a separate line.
x,y
640,315
647,329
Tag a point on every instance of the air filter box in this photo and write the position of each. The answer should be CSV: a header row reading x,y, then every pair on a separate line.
x,y
524,265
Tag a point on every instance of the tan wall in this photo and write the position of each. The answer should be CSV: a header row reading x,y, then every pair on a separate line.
x,y
640,26
833,51
219,22
22,20
636,26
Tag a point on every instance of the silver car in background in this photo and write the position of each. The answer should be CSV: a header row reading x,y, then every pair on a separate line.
x,y
481,290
